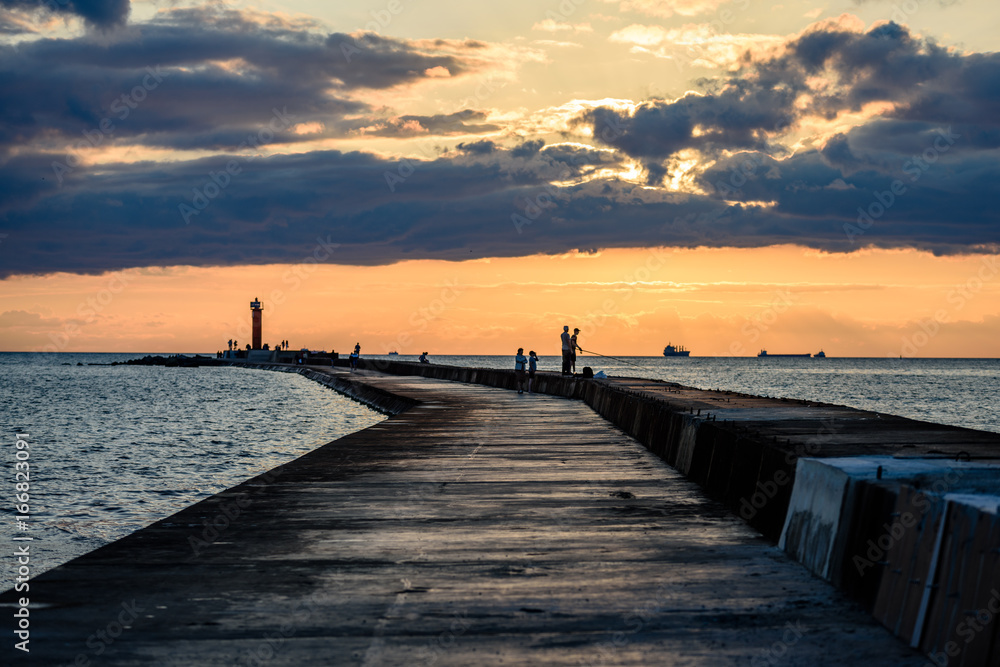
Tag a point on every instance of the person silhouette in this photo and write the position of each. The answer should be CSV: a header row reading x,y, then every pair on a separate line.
x,y
573,347
532,367
566,350
520,364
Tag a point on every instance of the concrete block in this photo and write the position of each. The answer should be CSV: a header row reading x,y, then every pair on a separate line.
x,y
686,442
813,516
748,459
774,481
721,470
911,540
964,602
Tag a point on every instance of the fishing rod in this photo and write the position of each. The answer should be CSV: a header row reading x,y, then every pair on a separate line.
x,y
609,357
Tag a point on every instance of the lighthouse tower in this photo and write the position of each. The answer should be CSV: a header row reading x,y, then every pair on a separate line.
x,y
256,313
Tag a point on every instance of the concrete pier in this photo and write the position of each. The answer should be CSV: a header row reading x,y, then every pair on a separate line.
x,y
899,513
476,526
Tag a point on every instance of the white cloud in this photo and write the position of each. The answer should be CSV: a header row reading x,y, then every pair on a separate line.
x,y
549,25
553,42
667,8
694,44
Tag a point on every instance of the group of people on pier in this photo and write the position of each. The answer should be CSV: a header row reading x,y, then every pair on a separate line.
x,y
569,348
525,367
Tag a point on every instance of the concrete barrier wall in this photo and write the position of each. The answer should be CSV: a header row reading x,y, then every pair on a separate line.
x,y
916,541
961,611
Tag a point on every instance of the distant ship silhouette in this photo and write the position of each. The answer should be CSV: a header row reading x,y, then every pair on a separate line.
x,y
763,353
679,351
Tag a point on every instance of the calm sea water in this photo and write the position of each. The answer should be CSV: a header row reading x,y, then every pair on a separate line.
x,y
962,392
116,448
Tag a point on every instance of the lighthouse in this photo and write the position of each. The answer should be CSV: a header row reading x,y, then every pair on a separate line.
x,y
256,314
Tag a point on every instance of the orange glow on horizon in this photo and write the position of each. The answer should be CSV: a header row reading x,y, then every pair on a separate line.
x,y
717,302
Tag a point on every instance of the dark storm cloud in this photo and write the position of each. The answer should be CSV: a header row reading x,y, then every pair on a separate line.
x,y
481,147
194,37
739,117
281,208
924,172
198,79
103,13
528,148
278,209
919,186
920,174
924,81
574,154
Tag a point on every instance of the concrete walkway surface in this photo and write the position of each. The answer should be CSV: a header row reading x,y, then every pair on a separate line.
x,y
479,527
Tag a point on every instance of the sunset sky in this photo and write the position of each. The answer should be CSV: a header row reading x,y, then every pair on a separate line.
x,y
465,178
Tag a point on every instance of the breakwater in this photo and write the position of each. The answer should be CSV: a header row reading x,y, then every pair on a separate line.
x,y
478,526
900,514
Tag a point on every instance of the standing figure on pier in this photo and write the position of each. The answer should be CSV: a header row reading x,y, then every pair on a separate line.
x,y
573,347
566,350
520,365
354,357
532,367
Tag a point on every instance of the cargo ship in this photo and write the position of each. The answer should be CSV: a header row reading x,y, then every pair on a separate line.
x,y
678,351
763,353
